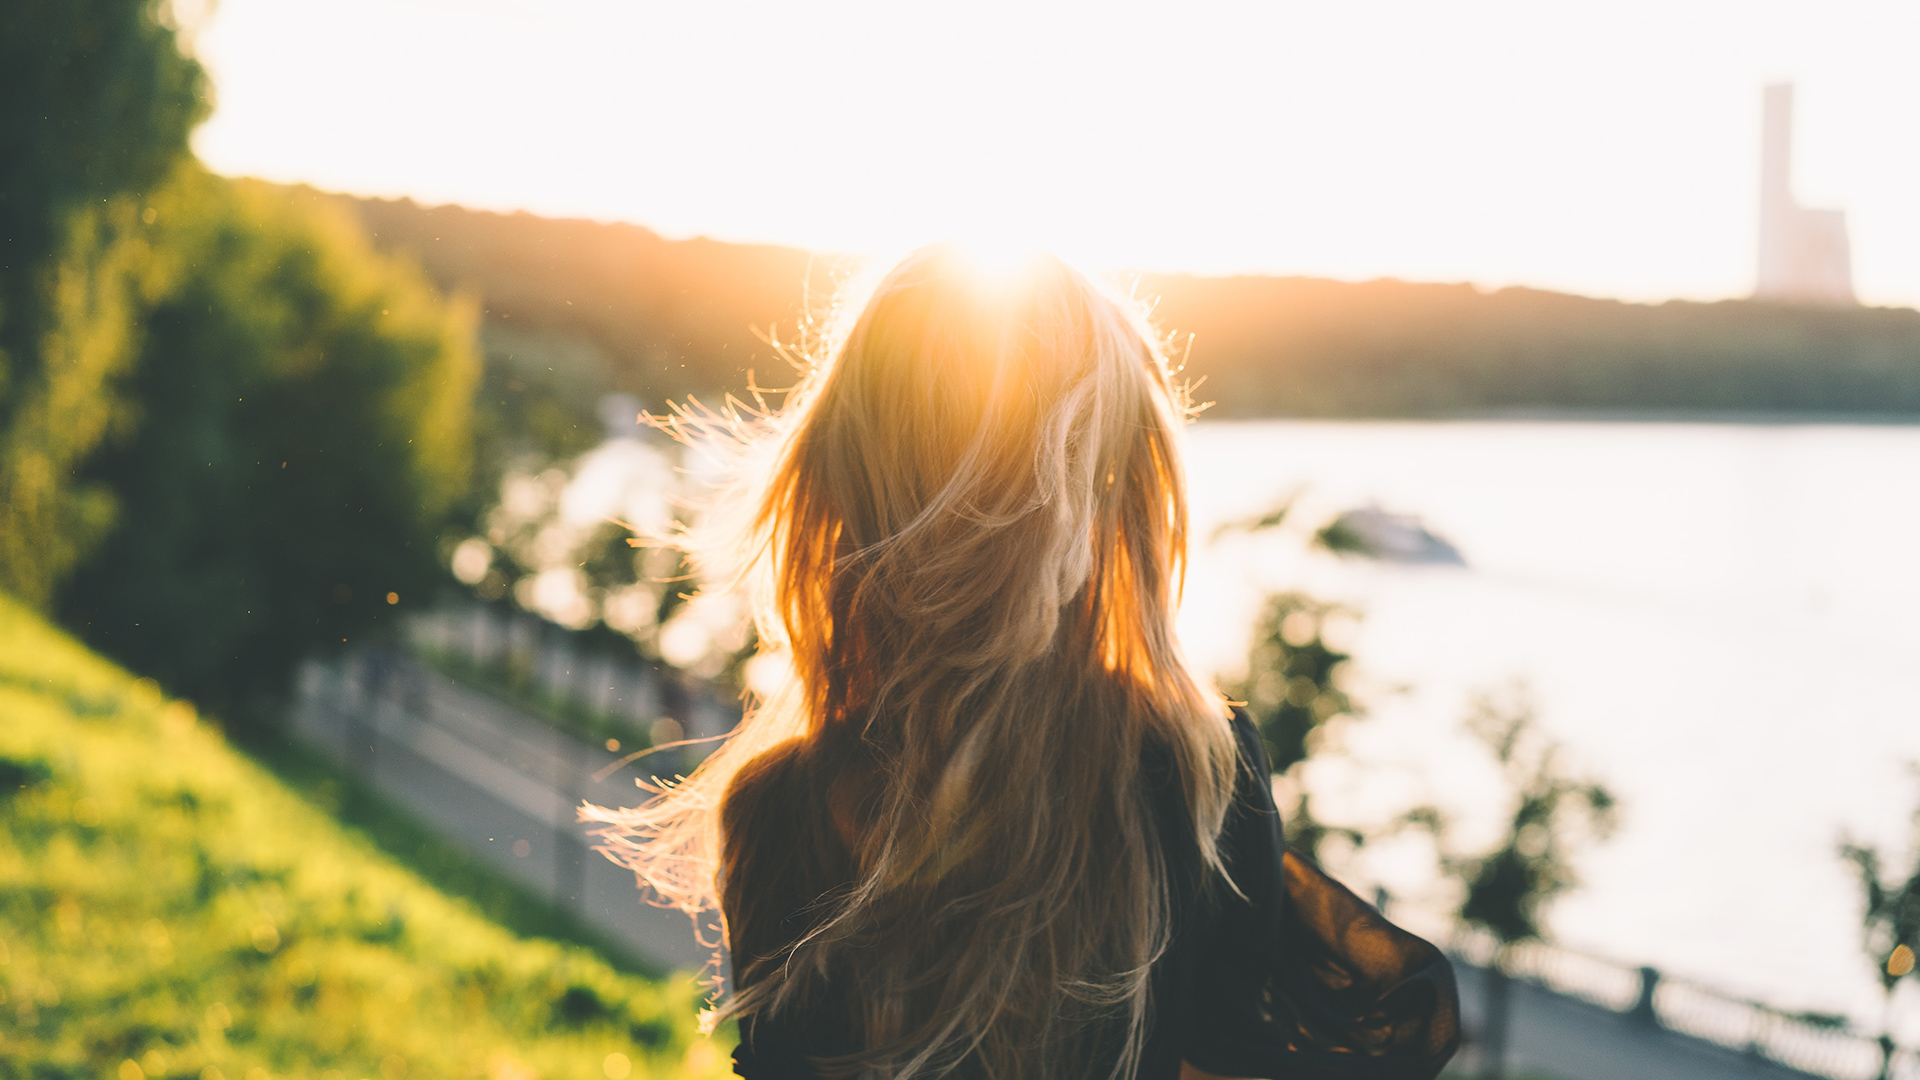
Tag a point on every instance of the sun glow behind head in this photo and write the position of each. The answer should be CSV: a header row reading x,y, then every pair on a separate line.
x,y
996,257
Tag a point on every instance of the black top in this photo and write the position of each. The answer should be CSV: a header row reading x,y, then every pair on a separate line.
x,y
1299,978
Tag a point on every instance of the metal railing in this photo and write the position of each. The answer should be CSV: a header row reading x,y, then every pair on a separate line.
x,y
1822,1045
564,677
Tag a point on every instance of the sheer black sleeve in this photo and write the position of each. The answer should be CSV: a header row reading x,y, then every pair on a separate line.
x,y
1295,976
1282,974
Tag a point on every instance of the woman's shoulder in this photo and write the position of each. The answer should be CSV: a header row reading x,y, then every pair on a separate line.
x,y
775,773
787,822
780,850
815,781
1250,754
1249,746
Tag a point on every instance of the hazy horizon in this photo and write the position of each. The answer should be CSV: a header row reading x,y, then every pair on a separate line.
x,y
1607,152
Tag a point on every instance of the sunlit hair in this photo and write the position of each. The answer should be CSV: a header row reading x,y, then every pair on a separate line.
x,y
967,536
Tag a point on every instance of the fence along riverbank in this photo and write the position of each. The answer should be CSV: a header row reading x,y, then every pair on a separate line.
x,y
502,783
1657,1002
503,779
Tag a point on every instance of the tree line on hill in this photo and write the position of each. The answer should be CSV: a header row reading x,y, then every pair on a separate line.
x,y
1305,347
230,432
669,317
678,317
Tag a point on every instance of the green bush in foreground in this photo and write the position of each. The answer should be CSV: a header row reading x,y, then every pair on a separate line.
x,y
298,440
169,910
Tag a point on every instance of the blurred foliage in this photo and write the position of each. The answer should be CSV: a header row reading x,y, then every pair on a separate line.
x,y
1340,537
96,102
228,429
1891,918
584,325
539,398
1552,814
300,443
169,910
1293,673
1267,519
1506,890
587,544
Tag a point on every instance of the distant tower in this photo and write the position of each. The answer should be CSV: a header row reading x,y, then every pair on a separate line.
x,y
1803,253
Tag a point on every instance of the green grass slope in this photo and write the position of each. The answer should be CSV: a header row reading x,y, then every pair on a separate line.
x,y
171,910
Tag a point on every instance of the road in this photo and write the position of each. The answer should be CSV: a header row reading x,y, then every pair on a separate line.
x,y
498,782
1568,1039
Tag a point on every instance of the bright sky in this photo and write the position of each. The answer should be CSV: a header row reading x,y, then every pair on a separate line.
x,y
1608,148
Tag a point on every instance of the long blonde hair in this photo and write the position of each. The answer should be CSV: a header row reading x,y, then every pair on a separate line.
x,y
967,538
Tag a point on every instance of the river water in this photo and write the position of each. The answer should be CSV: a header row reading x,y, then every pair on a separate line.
x,y
1721,621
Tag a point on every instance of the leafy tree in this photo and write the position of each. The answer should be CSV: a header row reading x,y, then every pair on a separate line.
x,y
1508,888
539,398
1892,922
588,544
1293,693
1292,687
302,439
69,398
96,101
1293,672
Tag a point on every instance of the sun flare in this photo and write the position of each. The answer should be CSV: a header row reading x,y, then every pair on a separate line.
x,y
997,256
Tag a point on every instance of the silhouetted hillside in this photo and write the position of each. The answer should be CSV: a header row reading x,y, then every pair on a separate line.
x,y
674,316
1310,347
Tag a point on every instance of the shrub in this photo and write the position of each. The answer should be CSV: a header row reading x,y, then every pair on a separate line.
x,y
301,437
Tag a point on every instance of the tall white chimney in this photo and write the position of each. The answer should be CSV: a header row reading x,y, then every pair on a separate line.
x,y
1804,254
